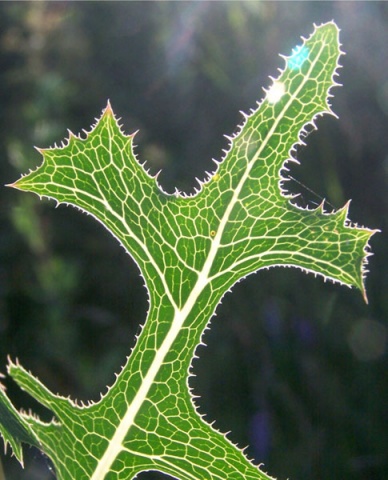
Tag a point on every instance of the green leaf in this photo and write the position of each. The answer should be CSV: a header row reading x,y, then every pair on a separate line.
x,y
190,250
13,426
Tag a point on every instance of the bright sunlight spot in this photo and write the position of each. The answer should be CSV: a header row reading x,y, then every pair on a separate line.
x,y
276,91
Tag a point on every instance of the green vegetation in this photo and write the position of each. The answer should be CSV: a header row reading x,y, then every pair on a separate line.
x,y
190,250
292,364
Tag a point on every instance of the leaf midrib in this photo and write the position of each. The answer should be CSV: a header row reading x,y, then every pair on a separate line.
x,y
116,443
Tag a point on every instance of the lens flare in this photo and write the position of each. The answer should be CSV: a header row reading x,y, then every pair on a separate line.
x,y
276,91
298,57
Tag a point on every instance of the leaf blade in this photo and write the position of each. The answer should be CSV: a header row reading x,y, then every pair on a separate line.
x,y
190,250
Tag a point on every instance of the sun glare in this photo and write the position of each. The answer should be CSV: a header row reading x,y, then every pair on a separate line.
x,y
276,91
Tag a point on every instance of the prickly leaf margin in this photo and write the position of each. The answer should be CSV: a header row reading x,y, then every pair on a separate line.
x,y
190,251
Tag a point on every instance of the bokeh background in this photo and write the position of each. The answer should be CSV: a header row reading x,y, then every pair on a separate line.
x,y
295,368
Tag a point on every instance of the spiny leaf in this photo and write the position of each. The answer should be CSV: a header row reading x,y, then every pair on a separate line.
x,y
13,428
190,250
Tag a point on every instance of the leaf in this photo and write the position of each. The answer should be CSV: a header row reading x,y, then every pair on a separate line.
x,y
13,427
190,250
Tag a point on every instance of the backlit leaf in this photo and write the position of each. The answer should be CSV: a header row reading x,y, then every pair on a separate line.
x,y
190,250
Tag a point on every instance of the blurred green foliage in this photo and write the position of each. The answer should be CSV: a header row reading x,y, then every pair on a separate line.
x,y
294,368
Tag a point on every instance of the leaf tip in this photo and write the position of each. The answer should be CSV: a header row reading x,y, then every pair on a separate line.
x,y
108,109
367,253
16,185
364,295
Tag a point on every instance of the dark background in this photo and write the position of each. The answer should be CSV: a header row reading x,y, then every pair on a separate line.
x,y
295,368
